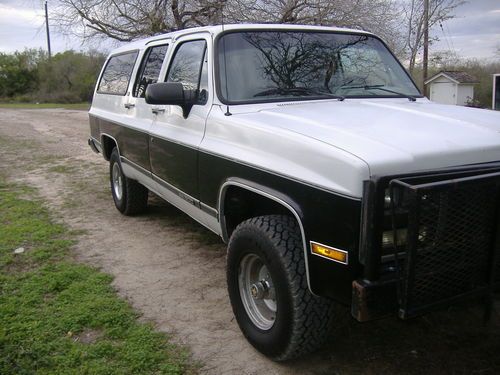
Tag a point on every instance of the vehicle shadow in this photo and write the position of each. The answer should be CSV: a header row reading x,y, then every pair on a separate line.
x,y
168,215
455,341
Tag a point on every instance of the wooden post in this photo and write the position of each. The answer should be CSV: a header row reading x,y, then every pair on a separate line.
x,y
425,62
47,29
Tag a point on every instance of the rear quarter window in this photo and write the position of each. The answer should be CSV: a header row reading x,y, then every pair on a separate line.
x,y
117,73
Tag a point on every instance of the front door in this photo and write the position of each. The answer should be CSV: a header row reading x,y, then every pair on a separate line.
x,y
175,139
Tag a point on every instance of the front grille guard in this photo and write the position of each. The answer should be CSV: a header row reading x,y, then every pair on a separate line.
x,y
452,247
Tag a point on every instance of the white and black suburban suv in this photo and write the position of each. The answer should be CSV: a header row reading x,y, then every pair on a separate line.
x,y
312,153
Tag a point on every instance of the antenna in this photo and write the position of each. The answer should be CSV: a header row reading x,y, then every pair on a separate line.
x,y
225,62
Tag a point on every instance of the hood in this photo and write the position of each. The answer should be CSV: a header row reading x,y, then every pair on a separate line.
x,y
394,135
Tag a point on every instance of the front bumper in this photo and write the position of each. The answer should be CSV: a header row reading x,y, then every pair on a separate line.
x,y
452,249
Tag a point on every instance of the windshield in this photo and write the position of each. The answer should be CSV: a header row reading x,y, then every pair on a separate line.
x,y
288,65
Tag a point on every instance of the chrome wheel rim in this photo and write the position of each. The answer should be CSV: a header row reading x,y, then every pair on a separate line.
x,y
257,291
117,181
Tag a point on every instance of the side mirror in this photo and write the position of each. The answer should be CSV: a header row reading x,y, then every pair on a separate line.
x,y
171,93
165,93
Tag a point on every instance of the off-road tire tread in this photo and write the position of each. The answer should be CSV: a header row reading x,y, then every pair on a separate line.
x,y
136,197
135,194
314,316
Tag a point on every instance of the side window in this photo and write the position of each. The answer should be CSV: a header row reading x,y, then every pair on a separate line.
x,y
150,69
116,75
189,66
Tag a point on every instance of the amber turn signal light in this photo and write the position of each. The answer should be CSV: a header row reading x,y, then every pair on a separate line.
x,y
328,252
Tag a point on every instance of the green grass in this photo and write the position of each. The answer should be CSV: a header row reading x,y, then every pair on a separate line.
x,y
62,169
58,316
79,106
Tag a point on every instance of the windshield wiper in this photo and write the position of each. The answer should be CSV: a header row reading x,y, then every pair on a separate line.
x,y
381,88
297,91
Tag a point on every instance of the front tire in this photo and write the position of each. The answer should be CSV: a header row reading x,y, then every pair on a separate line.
x,y
130,197
267,286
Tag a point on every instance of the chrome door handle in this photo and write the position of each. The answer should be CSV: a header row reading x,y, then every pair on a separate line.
x,y
129,105
157,110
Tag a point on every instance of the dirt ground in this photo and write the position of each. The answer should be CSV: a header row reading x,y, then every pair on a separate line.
x,y
172,270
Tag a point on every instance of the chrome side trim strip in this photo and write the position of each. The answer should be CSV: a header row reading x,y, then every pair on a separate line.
x,y
222,221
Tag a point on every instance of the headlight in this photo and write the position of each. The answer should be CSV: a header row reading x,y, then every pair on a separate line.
x,y
399,220
388,238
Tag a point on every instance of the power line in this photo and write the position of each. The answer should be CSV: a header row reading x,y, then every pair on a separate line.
x,y
449,34
445,36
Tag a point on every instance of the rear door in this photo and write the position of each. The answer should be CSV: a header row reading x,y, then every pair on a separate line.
x,y
175,139
108,112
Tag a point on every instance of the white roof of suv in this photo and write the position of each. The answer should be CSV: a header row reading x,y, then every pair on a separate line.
x,y
214,30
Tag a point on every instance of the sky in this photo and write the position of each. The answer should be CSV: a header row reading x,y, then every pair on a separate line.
x,y
474,32
22,26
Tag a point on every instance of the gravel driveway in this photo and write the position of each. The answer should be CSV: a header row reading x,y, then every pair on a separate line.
x,y
172,270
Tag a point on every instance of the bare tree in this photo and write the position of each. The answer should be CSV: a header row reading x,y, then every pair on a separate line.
x,y
444,59
413,15
126,20
378,16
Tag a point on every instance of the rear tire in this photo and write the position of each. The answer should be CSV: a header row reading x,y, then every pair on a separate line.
x,y
130,197
278,315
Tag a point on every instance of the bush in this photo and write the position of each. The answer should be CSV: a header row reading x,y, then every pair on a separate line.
x,y
18,73
67,77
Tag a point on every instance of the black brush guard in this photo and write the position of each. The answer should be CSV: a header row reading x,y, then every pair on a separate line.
x,y
452,248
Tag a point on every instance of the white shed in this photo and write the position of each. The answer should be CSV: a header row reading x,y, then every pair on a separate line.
x,y
451,87
496,92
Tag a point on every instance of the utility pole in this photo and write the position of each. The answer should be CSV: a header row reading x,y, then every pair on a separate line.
x,y
426,47
47,28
